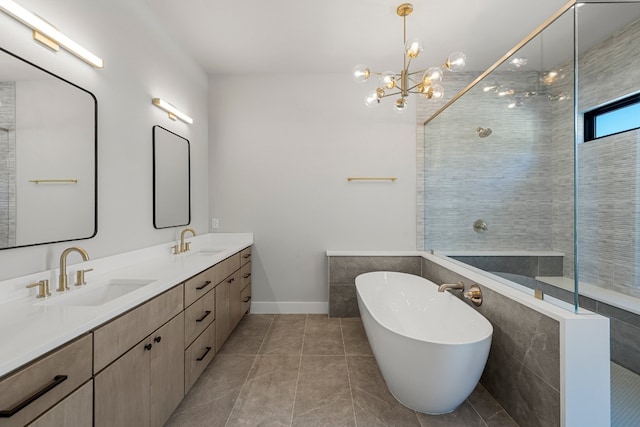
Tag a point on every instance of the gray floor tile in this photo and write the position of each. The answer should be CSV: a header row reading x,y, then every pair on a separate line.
x,y
323,336
248,335
323,397
285,335
371,397
268,395
212,397
355,338
464,415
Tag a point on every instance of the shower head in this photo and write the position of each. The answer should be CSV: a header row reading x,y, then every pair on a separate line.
x,y
483,132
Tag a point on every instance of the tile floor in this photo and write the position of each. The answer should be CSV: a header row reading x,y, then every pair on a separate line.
x,y
309,370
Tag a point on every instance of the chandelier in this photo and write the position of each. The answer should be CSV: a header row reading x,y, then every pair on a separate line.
x,y
423,82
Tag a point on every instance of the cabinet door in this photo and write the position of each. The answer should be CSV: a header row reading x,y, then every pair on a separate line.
x,y
122,390
235,302
76,410
222,314
167,370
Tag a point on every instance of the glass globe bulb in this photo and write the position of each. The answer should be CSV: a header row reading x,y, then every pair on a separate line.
x,y
371,100
456,61
361,73
413,48
432,75
400,105
388,79
435,92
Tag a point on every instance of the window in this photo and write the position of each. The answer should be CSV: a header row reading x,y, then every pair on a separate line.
x,y
616,117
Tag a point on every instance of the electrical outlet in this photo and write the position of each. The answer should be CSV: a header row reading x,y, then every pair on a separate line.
x,y
215,223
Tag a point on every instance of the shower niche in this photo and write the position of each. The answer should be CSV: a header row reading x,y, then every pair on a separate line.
x,y
562,215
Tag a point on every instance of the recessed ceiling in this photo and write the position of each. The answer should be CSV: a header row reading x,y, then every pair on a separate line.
x,y
331,36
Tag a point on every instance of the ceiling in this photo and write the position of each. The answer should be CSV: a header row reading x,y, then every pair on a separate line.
x,y
331,36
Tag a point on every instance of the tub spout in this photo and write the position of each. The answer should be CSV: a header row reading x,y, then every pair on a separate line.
x,y
446,286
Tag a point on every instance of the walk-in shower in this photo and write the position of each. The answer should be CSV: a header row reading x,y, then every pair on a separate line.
x,y
564,210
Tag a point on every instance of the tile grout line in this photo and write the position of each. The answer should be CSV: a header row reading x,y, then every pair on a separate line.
x,y
478,413
346,361
249,372
295,393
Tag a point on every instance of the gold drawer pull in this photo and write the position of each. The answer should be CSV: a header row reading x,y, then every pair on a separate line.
x,y
246,256
57,380
246,276
247,299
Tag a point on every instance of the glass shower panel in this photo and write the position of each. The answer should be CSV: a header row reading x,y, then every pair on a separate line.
x,y
608,57
499,168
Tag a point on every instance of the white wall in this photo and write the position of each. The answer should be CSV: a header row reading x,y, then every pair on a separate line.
x,y
281,148
141,62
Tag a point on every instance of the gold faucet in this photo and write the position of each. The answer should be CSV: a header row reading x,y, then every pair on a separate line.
x,y
184,246
62,283
446,286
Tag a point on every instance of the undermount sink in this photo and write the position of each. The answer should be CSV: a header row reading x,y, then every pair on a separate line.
x,y
98,295
208,252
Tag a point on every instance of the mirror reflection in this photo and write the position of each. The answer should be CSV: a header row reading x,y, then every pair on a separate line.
x,y
48,139
171,179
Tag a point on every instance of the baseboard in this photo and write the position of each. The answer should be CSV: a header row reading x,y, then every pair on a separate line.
x,y
268,307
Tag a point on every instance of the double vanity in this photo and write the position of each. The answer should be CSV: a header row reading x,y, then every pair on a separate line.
x,y
126,347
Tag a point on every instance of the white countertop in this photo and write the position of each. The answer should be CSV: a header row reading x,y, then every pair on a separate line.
x,y
29,328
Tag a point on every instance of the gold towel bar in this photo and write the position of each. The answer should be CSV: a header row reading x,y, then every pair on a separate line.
x,y
379,178
53,181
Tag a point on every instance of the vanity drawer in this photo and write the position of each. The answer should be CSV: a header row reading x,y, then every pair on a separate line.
x,y
198,355
60,373
199,285
245,274
198,316
245,255
245,299
76,410
226,268
118,336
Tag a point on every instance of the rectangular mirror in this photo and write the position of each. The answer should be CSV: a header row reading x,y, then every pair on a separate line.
x,y
48,156
171,179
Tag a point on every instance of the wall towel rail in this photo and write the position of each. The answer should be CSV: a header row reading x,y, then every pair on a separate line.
x,y
373,178
54,181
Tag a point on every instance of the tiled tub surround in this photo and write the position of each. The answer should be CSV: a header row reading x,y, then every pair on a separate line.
x,y
547,366
29,329
343,272
544,272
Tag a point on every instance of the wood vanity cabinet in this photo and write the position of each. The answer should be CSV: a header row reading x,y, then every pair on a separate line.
x,y
144,384
199,325
56,387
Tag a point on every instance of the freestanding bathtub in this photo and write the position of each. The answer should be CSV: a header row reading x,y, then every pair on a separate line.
x,y
430,346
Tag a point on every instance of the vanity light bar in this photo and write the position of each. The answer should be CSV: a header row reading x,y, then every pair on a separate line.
x,y
39,25
173,111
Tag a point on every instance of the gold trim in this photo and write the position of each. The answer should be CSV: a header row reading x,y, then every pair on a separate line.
x,y
404,9
373,178
46,41
54,181
506,56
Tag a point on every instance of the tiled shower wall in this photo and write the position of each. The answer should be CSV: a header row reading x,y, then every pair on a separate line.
x,y
8,164
523,369
502,179
534,197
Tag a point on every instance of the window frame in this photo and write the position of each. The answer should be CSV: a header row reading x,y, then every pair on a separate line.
x,y
591,116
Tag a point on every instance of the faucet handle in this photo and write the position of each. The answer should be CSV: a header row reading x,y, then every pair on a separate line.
x,y
80,277
43,290
175,249
187,246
